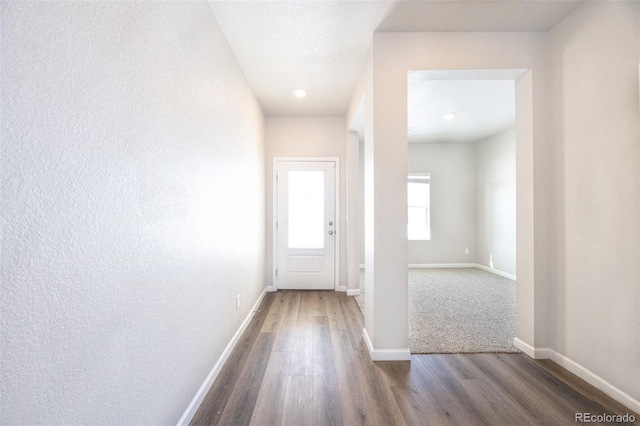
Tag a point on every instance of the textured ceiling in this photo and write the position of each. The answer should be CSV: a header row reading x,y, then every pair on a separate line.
x,y
316,45
321,45
482,107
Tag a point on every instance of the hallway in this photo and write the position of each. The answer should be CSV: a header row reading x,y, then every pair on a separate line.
x,y
302,360
138,149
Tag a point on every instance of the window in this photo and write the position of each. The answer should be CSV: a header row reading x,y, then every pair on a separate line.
x,y
418,206
306,209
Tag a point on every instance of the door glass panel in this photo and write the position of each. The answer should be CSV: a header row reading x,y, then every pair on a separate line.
x,y
306,209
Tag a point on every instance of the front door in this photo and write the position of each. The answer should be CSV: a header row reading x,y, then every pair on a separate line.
x,y
305,225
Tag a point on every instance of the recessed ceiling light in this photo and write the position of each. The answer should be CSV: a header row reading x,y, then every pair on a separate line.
x,y
449,116
300,93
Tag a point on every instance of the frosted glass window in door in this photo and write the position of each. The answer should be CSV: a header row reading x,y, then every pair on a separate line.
x,y
306,209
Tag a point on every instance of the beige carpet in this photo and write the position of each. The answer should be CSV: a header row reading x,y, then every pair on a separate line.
x,y
459,310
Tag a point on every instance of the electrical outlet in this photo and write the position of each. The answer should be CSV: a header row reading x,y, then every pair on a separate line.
x,y
237,302
466,251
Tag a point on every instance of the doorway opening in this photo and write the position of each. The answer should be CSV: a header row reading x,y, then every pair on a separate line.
x,y
461,193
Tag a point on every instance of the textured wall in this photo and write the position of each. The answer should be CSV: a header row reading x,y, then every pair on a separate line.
x,y
595,275
496,187
133,208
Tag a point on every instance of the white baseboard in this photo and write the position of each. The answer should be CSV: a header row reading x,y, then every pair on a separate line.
x,y
442,265
526,348
342,288
188,414
462,265
385,354
271,289
353,292
593,379
496,271
580,371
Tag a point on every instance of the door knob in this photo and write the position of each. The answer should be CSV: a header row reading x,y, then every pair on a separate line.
x,y
330,232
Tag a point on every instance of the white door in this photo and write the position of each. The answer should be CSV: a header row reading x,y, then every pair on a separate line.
x,y
305,225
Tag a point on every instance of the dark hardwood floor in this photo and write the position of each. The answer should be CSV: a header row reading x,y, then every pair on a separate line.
x,y
303,361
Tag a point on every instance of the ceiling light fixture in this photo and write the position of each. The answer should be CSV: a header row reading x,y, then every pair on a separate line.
x,y
300,93
449,116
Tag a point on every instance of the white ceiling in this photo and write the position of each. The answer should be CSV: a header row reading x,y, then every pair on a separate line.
x,y
482,107
321,45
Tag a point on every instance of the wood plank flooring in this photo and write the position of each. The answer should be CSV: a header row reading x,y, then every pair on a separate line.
x,y
303,361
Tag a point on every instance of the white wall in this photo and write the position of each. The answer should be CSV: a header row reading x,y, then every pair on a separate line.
x,y
393,55
133,208
453,202
496,197
354,208
306,137
364,91
595,292
361,182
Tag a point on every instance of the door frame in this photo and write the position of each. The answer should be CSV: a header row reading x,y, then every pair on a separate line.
x,y
274,231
